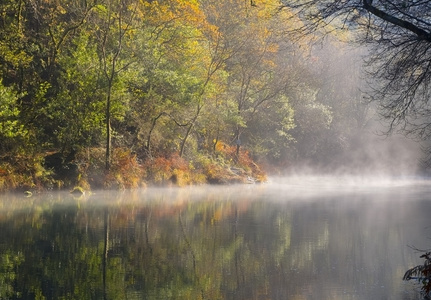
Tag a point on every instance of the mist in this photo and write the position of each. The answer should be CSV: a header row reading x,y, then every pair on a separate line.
x,y
356,141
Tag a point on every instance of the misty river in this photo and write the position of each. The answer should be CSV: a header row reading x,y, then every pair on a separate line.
x,y
292,238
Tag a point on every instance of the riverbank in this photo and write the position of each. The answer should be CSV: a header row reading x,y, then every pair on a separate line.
x,y
86,170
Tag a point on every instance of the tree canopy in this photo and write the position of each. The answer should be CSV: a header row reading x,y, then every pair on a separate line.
x,y
169,86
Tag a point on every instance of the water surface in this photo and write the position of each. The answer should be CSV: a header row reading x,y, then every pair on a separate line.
x,y
295,238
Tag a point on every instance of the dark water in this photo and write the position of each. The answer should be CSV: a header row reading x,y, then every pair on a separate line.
x,y
296,238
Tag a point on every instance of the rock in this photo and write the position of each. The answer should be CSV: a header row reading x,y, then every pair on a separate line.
x,y
77,191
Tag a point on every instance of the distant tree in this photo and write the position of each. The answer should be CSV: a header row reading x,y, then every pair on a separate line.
x,y
340,91
399,64
250,39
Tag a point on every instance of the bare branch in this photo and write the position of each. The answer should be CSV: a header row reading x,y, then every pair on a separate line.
x,y
422,34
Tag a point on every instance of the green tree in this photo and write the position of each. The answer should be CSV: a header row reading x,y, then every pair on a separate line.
x,y
13,133
171,88
79,109
114,22
256,87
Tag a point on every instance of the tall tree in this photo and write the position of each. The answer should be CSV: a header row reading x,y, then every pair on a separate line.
x,y
252,37
79,97
114,34
178,68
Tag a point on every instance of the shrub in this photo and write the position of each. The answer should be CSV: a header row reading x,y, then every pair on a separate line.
x,y
125,171
168,170
243,161
21,172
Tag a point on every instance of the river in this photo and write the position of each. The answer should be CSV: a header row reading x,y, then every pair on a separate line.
x,y
292,238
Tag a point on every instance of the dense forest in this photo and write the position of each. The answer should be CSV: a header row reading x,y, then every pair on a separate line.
x,y
121,93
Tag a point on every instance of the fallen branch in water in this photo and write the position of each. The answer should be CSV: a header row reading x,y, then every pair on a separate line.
x,y
422,274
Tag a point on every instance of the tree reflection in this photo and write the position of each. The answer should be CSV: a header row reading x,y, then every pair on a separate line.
x,y
183,245
179,251
8,263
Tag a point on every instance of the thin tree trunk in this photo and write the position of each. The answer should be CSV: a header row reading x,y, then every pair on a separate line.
x,y
153,125
183,143
108,129
189,129
238,143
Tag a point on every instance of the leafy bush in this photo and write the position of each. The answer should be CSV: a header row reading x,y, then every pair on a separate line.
x,y
242,161
168,170
12,132
24,173
125,171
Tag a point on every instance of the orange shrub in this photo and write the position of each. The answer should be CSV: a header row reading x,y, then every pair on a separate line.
x,y
243,160
125,170
168,170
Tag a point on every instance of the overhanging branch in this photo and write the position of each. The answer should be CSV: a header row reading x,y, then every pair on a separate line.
x,y
422,34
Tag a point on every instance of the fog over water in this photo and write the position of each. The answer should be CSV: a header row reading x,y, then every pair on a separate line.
x,y
298,237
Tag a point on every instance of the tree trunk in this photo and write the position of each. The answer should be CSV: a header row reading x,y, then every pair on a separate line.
x,y
238,143
183,143
153,125
189,129
108,129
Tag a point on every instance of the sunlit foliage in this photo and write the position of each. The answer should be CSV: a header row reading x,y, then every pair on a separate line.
x,y
130,91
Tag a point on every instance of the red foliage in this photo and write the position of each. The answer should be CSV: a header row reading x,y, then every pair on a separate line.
x,y
125,172
168,170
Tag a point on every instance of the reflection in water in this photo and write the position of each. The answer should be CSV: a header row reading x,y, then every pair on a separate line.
x,y
303,238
